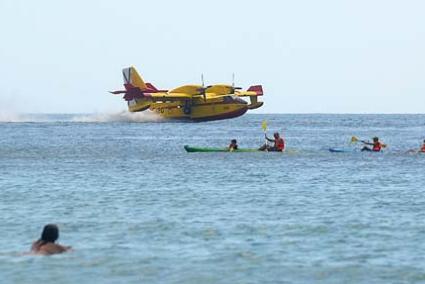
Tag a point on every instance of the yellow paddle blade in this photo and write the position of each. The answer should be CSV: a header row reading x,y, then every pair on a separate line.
x,y
384,145
354,139
264,125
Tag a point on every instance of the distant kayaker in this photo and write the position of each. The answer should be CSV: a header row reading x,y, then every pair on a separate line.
x,y
423,148
376,145
233,145
46,244
278,146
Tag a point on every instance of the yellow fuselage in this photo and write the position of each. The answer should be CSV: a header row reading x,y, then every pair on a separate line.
x,y
198,109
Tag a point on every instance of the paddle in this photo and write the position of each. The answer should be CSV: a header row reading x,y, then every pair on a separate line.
x,y
354,139
264,127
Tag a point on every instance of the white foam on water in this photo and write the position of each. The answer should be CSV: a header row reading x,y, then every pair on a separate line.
x,y
123,116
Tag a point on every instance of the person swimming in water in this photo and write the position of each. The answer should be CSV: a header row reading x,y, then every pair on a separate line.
x,y
376,145
233,145
279,144
46,244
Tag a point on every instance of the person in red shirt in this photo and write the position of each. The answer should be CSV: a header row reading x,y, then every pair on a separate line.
x,y
376,145
278,146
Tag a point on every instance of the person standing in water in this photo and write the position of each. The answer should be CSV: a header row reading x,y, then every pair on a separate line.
x,y
279,144
46,244
376,145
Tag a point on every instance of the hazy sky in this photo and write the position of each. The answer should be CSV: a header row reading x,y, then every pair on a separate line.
x,y
310,56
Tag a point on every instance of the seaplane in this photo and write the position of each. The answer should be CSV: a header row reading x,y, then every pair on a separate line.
x,y
188,102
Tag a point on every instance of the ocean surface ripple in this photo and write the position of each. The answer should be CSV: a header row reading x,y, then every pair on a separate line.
x,y
138,209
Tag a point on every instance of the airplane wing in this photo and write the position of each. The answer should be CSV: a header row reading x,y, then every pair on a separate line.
x,y
222,89
245,93
165,97
219,89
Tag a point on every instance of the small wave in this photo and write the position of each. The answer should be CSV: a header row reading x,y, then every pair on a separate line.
x,y
123,116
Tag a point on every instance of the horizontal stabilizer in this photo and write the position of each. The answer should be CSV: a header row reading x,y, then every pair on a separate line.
x,y
118,92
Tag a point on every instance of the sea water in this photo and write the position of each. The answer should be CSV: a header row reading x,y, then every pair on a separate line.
x,y
138,209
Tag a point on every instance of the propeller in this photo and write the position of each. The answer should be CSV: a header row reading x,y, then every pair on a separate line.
x,y
203,88
233,89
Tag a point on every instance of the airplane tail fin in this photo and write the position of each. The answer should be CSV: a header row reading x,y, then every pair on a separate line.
x,y
257,88
132,79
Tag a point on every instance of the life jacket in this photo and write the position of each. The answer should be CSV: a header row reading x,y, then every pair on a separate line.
x,y
377,147
423,148
279,144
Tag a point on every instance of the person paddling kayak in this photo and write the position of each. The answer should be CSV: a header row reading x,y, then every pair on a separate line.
x,y
376,145
279,144
233,145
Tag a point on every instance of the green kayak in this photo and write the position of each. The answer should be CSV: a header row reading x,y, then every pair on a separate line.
x,y
206,149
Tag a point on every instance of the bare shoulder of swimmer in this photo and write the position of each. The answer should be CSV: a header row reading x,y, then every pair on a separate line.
x,y
52,248
35,247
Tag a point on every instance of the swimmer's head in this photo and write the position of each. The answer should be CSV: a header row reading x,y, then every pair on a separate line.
x,y
50,233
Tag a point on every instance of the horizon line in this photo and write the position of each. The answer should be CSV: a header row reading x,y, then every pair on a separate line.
x,y
263,113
